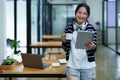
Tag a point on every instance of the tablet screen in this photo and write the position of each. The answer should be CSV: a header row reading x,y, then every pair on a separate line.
x,y
82,38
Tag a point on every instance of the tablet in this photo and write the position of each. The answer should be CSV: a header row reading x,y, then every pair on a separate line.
x,y
82,38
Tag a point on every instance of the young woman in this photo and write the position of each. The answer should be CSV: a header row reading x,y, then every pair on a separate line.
x,y
80,62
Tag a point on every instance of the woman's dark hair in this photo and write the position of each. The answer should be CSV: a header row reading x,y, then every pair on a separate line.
x,y
83,5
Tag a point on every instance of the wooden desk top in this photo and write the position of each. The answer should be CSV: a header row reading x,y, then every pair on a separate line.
x,y
20,70
48,44
51,36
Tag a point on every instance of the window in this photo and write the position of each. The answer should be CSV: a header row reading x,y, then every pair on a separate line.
x,y
21,23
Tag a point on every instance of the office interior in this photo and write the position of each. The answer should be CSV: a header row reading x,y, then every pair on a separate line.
x,y
28,20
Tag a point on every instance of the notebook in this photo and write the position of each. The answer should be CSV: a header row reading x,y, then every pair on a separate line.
x,y
33,61
82,38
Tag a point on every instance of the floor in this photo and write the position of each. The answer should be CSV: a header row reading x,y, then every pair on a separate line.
x,y
114,47
108,66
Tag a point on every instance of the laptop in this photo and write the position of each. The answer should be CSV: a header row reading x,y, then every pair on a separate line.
x,y
82,38
33,61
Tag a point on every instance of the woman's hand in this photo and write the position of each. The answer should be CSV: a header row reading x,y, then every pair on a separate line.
x,y
90,45
63,37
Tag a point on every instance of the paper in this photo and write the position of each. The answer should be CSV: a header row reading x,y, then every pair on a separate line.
x,y
62,60
56,64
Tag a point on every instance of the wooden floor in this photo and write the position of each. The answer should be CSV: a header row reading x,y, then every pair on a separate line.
x,y
108,66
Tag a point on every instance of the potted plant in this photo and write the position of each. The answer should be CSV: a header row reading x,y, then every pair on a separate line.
x,y
14,44
98,25
10,61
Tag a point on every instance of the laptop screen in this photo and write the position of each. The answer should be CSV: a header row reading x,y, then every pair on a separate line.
x,y
32,60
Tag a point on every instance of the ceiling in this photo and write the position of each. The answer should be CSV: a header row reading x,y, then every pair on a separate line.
x,y
65,1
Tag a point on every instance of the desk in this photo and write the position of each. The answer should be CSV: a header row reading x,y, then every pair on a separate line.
x,y
48,44
21,71
51,37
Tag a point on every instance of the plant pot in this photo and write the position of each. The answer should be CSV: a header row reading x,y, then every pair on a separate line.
x,y
8,67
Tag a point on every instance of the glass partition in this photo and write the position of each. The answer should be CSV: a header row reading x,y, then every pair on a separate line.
x,y
16,23
34,22
118,26
21,24
40,21
111,25
105,30
62,15
9,23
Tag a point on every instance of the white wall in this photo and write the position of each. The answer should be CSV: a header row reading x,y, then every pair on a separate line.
x,y
2,31
96,11
65,1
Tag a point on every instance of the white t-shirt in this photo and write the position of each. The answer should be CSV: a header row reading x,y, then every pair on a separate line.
x,y
78,58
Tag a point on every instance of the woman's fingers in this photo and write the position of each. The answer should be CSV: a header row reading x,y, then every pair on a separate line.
x,y
90,45
63,37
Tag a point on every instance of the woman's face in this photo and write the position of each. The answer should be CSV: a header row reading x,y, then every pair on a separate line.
x,y
81,15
